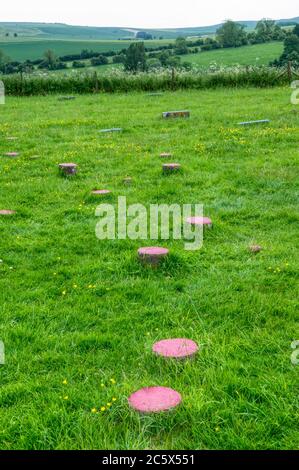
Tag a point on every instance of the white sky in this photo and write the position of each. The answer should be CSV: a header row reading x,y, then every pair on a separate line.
x,y
144,13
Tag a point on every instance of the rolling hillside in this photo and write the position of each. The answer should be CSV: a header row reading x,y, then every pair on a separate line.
x,y
22,49
258,54
64,31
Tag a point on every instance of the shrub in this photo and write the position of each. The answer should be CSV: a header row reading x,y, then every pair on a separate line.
x,y
101,60
118,59
78,65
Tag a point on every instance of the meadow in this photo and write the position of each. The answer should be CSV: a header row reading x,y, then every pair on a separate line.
x,y
258,54
254,55
23,49
79,316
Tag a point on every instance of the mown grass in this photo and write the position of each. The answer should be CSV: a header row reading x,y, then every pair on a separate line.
x,y
258,54
80,310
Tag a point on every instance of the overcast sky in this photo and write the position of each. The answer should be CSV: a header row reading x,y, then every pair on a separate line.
x,y
144,14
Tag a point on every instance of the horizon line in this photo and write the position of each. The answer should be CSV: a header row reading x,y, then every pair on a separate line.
x,y
148,28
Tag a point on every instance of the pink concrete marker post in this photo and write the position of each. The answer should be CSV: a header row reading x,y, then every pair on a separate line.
x,y
68,168
154,399
177,348
7,212
11,154
205,221
101,192
255,248
171,167
152,255
128,180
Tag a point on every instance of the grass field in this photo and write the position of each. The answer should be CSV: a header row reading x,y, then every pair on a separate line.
x,y
22,50
79,315
259,54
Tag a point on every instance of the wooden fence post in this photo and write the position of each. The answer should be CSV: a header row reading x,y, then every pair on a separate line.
x,y
22,82
290,70
96,87
173,78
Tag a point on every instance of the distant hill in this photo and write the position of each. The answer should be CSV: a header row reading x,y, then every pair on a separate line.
x,y
64,31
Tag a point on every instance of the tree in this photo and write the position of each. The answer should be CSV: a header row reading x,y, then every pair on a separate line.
x,y
290,52
268,30
264,28
231,34
77,64
174,61
118,59
100,60
154,63
164,57
210,44
50,59
296,30
135,59
181,47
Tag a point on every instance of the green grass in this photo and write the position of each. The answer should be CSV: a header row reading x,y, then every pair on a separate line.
x,y
241,391
33,48
259,54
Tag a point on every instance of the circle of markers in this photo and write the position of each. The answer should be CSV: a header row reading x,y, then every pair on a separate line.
x,y
152,399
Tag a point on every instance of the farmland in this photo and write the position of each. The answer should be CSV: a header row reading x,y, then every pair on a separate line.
x,y
260,54
35,48
65,31
79,315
